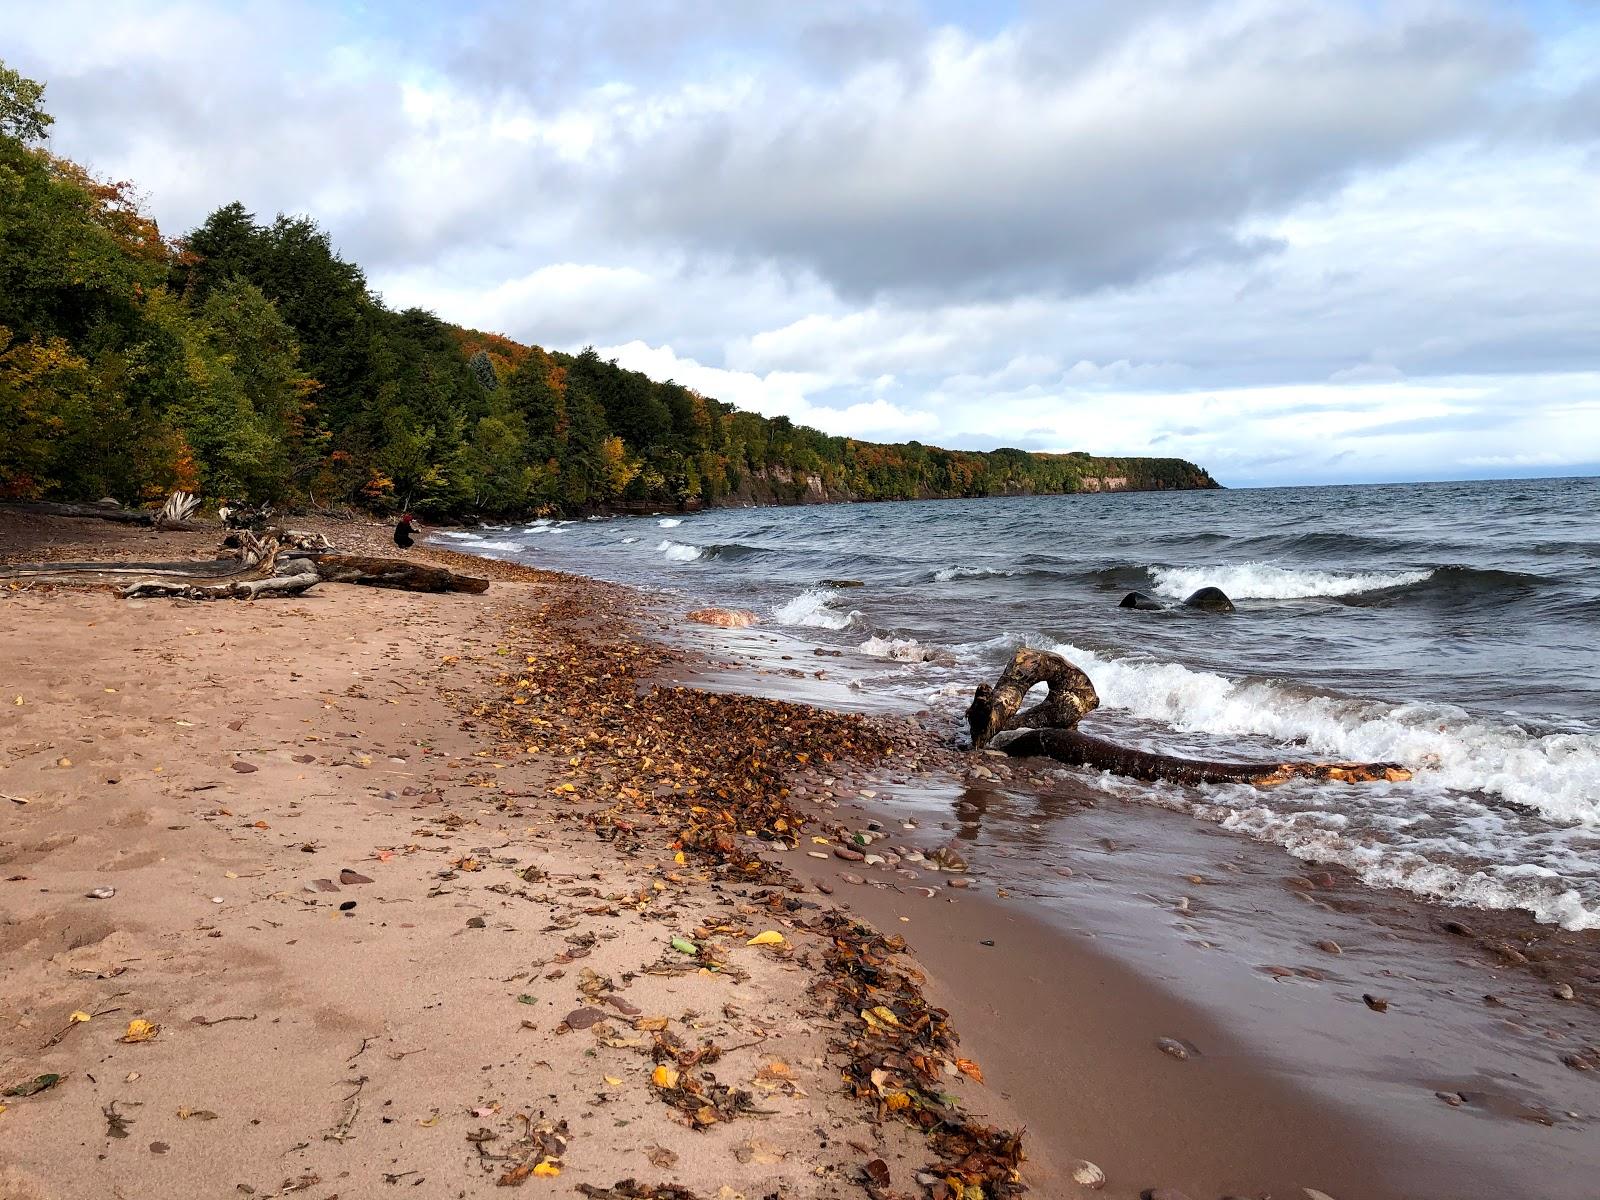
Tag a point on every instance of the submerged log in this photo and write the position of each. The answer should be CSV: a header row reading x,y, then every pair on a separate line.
x,y
370,571
1050,729
1078,749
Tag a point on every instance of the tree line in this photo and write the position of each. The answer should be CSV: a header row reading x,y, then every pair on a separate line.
x,y
248,360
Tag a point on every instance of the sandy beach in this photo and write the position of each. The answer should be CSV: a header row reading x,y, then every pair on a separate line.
x,y
439,894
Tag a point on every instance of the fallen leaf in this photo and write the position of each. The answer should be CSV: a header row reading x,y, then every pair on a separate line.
x,y
200,1114
967,1067
660,1156
32,1087
547,1169
80,1015
663,1077
140,1030
770,938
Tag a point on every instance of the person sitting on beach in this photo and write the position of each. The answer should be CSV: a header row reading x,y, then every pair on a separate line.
x,y
404,532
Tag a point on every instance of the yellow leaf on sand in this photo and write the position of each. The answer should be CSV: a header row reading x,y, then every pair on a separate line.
x,y
140,1030
80,1015
967,1067
679,859
613,1080
428,1122
770,938
665,1076
547,1169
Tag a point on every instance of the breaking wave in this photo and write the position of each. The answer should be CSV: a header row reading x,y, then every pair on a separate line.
x,y
670,522
680,551
818,608
1556,776
1263,581
905,650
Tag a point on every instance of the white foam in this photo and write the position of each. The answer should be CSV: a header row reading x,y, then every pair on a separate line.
x,y
670,522
1556,775
679,551
951,573
1537,890
482,545
1263,581
904,650
460,535
817,608
628,540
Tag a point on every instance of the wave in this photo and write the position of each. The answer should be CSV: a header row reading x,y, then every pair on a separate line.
x,y
670,522
1264,581
1556,776
1534,889
817,608
950,574
461,535
680,551
483,545
1458,585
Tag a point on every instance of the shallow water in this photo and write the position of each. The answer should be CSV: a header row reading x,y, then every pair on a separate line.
x,y
1451,627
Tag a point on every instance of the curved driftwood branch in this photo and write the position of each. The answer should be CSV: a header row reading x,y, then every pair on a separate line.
x,y
1070,698
1050,729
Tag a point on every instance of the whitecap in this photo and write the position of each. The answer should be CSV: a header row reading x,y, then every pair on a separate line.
x,y
817,608
670,522
679,551
1555,775
1264,581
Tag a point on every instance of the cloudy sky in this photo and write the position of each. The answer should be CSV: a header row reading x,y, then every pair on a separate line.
x,y
1295,242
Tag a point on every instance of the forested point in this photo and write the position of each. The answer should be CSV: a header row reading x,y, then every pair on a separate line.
x,y
246,360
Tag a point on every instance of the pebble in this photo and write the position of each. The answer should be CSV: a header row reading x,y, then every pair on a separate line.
x,y
848,854
849,878
1173,1047
1329,946
1163,1194
958,883
1563,991
1374,1003
101,893
1086,1174
825,888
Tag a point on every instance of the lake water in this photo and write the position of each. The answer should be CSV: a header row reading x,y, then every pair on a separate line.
x,y
1451,627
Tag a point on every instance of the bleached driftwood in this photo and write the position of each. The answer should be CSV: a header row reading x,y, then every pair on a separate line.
x,y
239,589
1049,728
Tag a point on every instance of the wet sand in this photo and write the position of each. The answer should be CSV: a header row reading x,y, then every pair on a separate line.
x,y
1292,1082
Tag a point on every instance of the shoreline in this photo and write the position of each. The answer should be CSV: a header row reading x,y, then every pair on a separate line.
x,y
1227,1118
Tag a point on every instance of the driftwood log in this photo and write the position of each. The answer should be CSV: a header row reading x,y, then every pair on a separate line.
x,y
98,512
250,567
1049,728
334,567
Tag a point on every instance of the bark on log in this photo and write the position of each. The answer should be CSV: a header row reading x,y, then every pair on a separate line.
x,y
1071,697
370,571
1078,749
1050,730
255,561
239,589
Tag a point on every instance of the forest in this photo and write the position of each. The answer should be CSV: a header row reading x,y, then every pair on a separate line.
x,y
247,360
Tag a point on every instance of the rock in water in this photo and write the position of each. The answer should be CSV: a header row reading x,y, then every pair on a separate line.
x,y
725,618
1142,602
1209,599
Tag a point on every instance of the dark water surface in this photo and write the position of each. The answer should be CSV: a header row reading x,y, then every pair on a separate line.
x,y
1452,627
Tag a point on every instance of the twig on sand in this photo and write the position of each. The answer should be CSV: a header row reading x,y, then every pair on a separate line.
x,y
341,1132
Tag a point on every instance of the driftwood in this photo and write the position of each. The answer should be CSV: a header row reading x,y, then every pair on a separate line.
x,y
256,559
239,589
334,567
174,514
1050,729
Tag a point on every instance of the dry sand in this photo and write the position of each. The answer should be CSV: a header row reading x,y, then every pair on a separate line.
x,y
212,763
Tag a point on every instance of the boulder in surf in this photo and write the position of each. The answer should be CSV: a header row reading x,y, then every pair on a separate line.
x,y
1209,599
1140,601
